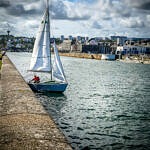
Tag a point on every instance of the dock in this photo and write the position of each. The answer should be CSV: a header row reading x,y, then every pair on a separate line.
x,y
24,123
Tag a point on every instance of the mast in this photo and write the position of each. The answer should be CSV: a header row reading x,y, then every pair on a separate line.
x,y
47,8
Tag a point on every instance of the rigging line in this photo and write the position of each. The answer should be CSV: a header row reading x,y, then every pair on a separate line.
x,y
49,25
43,45
41,71
52,24
42,31
34,57
42,57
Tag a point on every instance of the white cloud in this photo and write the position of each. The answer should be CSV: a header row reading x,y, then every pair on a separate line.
x,y
139,4
93,18
96,25
148,18
69,11
29,6
133,22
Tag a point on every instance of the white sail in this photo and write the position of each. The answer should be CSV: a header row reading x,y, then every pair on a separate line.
x,y
58,72
41,60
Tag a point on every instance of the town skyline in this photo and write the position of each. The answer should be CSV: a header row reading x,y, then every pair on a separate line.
x,y
91,18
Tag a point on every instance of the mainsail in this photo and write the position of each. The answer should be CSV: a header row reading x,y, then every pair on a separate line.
x,y
41,60
58,72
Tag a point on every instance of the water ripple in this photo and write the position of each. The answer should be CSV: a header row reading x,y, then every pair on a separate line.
x,y
106,104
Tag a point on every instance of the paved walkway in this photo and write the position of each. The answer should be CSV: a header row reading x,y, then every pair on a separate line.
x,y
24,124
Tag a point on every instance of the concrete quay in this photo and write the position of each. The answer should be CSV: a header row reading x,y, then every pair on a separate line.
x,y
24,124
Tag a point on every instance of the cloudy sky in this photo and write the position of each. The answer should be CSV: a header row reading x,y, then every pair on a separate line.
x,y
93,18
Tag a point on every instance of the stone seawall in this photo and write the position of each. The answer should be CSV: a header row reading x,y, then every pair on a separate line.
x,y
133,59
24,123
82,55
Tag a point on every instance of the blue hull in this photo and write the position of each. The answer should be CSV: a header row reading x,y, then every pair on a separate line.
x,y
48,86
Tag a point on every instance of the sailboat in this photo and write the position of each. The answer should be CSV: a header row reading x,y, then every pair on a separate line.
x,y
41,60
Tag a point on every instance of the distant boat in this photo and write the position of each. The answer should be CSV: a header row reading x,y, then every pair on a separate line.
x,y
41,60
108,57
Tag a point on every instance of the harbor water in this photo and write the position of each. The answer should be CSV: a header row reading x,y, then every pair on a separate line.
x,y
106,105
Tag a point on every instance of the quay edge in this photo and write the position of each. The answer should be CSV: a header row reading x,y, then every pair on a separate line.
x,y
82,55
133,59
24,123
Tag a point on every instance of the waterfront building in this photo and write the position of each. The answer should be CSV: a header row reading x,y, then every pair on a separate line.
x,y
86,38
137,39
121,40
62,37
114,38
70,37
132,49
78,38
9,44
92,41
97,49
65,46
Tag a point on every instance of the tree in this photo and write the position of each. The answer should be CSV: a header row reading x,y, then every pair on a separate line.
x,y
3,42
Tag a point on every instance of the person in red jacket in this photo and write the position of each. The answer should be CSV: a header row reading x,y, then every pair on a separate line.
x,y
36,79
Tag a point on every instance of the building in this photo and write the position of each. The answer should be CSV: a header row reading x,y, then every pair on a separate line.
x,y
65,46
97,49
132,50
86,38
70,37
62,38
78,38
121,40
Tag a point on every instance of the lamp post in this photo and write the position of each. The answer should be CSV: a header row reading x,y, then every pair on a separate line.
x,y
8,38
8,34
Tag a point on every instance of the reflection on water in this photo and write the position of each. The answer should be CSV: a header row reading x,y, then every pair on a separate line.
x,y
106,104
57,100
